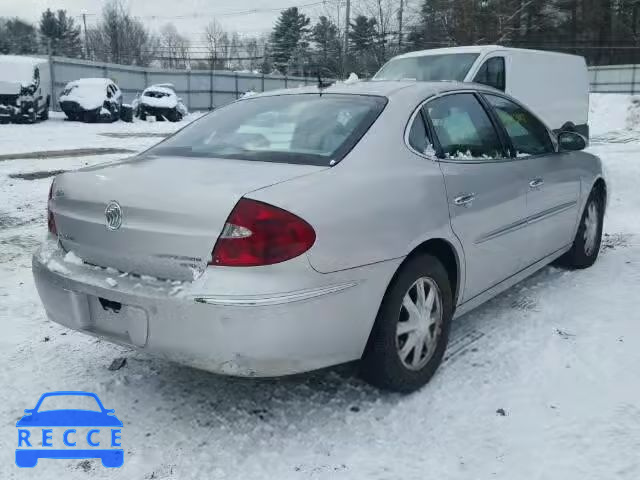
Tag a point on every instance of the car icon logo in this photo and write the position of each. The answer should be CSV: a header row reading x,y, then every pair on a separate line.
x,y
67,433
113,215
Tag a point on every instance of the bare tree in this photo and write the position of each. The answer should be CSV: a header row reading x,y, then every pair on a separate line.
x,y
215,36
120,38
174,48
253,52
385,13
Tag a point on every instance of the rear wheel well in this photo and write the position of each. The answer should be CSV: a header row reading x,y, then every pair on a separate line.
x,y
443,251
601,188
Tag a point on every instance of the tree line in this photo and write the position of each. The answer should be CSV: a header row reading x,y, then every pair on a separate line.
x,y
604,31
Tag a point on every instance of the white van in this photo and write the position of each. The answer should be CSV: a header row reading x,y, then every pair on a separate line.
x,y
553,85
25,87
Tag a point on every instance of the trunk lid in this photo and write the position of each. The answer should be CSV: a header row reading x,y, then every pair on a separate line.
x,y
172,210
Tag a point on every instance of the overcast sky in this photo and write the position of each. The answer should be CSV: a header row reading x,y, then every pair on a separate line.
x,y
232,14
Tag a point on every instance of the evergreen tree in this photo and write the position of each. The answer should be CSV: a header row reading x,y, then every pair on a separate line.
x,y
289,41
20,37
328,47
363,37
59,34
5,46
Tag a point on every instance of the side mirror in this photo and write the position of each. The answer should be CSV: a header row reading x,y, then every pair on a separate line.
x,y
29,410
571,141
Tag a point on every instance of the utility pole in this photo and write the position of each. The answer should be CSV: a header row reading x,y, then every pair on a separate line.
x,y
86,44
345,48
400,25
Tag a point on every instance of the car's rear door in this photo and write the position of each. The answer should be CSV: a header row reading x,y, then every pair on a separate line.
x,y
485,189
552,178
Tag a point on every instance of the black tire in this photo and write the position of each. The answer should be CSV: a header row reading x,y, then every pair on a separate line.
x,y
580,256
381,364
45,113
126,113
90,116
33,115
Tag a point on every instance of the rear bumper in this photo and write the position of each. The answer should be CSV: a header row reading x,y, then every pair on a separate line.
x,y
72,107
244,335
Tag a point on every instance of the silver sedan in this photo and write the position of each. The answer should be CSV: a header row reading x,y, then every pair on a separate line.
x,y
298,229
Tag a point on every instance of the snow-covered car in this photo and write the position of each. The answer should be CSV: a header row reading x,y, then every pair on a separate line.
x,y
160,101
24,87
91,100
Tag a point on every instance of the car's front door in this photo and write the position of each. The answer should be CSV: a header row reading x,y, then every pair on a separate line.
x,y
553,180
485,190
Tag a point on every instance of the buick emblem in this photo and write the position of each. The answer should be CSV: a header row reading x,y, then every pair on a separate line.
x,y
113,215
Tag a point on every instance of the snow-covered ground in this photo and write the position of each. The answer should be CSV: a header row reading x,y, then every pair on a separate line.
x,y
543,382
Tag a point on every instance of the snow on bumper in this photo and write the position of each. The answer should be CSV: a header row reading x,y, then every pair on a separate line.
x,y
272,335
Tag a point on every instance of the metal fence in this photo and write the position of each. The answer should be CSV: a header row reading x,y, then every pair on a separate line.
x,y
199,89
207,89
615,79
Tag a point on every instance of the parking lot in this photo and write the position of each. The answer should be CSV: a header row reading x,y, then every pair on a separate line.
x,y
544,378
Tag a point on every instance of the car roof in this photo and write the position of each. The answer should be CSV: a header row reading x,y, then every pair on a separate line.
x,y
479,49
160,88
21,60
383,88
92,81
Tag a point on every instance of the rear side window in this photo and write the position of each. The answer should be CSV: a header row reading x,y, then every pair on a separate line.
x,y
528,135
492,73
419,137
463,128
308,129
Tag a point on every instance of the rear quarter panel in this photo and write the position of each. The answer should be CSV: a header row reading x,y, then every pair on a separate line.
x,y
589,168
379,203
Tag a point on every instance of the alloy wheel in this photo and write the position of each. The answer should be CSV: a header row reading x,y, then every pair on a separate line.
x,y
419,324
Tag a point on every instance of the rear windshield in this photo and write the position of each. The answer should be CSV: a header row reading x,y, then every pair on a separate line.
x,y
454,66
307,129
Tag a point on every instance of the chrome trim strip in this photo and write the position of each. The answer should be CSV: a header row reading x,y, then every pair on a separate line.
x,y
527,221
272,299
501,231
551,211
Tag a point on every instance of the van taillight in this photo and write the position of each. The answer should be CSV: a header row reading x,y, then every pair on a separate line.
x,y
257,233
51,222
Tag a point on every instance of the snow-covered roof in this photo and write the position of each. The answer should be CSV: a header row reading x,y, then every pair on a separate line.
x,y
95,82
18,69
480,49
164,85
21,60
160,88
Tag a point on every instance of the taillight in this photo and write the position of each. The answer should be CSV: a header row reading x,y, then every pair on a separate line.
x,y
50,220
257,233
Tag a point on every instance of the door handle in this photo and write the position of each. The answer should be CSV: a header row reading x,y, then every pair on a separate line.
x,y
464,200
536,183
